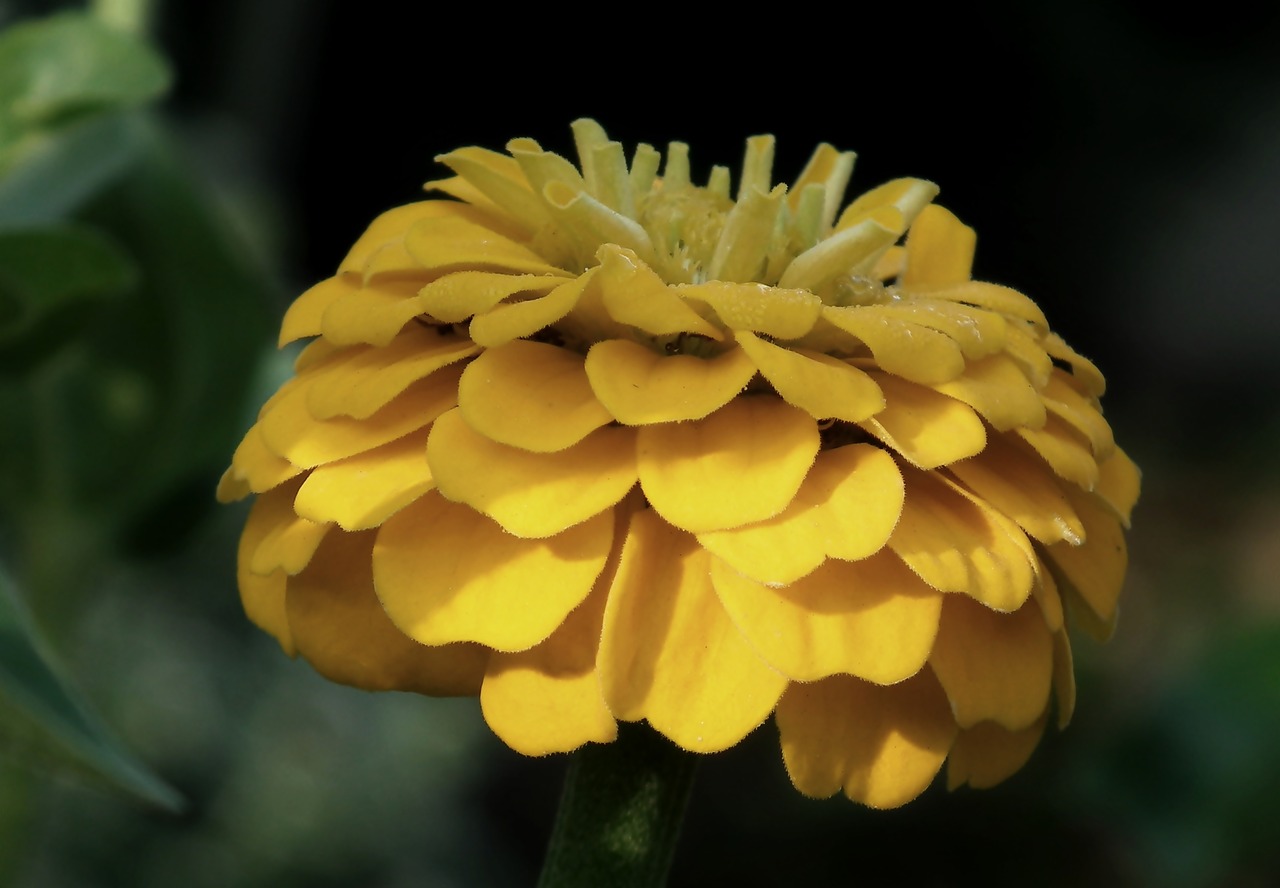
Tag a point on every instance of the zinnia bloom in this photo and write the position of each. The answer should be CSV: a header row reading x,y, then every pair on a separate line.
x,y
597,444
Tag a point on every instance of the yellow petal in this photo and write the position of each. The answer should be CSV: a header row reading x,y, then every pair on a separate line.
x,y
342,630
303,317
231,487
1020,486
371,315
547,699
455,244
445,573
822,386
1119,482
873,618
390,227
908,196
847,508
258,467
993,666
901,347
290,541
635,295
758,308
371,377
1045,592
977,332
939,249
532,495
861,492
500,179
882,745
955,545
519,319
988,754
263,597
742,463
456,297
638,386
928,428
530,395
1083,371
1065,449
362,491
670,654
1023,344
1083,413
290,431
1094,571
993,297
996,388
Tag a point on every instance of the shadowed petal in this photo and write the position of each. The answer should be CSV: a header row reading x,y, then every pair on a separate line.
x,y
1015,483
957,545
547,699
928,428
988,754
1094,571
882,745
342,630
874,619
993,666
263,596
670,653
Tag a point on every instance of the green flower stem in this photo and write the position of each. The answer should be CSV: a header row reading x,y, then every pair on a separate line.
x,y
621,812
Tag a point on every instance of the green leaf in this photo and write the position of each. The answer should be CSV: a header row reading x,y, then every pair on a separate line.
x,y
140,411
44,722
63,169
48,276
56,69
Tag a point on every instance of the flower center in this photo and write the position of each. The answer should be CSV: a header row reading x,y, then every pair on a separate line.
x,y
689,234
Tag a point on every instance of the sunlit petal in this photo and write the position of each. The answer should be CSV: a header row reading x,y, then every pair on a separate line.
x,y
530,395
742,463
638,386
531,494
442,571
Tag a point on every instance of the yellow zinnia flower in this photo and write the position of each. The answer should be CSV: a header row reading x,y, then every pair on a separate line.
x,y
600,445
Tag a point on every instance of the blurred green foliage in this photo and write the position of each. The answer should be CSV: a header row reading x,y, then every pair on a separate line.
x,y
121,297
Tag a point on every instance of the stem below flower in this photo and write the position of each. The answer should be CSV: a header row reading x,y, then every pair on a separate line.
x,y
621,812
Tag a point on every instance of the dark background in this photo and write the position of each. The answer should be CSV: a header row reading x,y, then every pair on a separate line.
x,y
1121,166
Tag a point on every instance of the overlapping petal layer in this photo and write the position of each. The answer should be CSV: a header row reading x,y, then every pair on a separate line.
x,y
608,446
